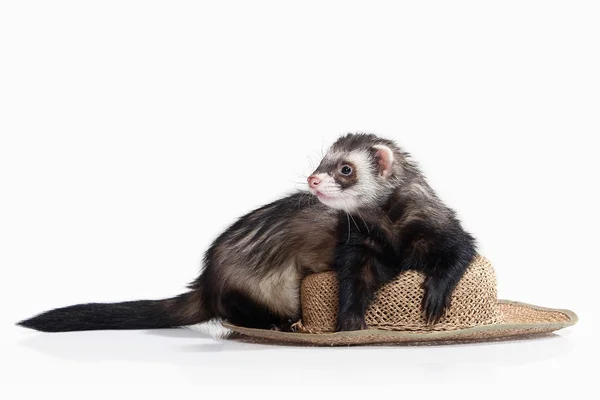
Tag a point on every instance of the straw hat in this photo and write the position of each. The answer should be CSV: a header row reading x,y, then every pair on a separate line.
x,y
395,314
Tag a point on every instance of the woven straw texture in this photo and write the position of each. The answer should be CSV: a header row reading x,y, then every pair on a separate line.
x,y
397,306
394,316
519,320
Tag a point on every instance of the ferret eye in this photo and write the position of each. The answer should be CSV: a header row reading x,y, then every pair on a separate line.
x,y
346,170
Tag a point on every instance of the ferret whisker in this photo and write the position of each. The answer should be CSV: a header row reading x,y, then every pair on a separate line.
x,y
355,224
311,162
348,216
363,220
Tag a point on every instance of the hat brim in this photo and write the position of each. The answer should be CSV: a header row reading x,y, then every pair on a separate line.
x,y
519,319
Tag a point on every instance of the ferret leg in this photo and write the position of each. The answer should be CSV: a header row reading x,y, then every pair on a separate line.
x,y
241,310
438,291
359,277
439,285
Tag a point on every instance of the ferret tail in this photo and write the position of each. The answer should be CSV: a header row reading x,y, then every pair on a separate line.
x,y
185,309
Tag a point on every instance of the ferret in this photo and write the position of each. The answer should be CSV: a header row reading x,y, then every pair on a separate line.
x,y
368,215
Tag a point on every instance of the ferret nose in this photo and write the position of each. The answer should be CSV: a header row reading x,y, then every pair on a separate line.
x,y
313,181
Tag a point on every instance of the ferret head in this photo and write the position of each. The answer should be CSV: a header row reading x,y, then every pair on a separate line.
x,y
358,171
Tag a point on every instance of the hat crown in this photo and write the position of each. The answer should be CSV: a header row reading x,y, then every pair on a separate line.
x,y
397,305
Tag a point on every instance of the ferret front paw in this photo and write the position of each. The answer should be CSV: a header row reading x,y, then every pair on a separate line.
x,y
351,322
434,306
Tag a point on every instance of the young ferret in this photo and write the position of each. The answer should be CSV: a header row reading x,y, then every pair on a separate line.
x,y
369,215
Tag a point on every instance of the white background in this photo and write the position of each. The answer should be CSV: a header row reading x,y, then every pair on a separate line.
x,y
132,133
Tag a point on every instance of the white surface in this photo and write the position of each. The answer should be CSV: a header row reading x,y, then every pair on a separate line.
x,y
132,133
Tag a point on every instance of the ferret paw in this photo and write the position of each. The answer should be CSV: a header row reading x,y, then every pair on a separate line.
x,y
351,322
283,326
434,306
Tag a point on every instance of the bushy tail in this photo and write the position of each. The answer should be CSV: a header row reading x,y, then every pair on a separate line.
x,y
185,309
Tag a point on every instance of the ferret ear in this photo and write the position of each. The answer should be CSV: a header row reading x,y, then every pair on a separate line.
x,y
385,158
